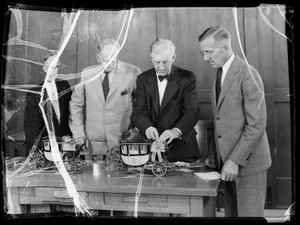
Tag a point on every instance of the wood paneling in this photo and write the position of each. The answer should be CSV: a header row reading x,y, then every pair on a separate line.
x,y
142,33
283,142
266,50
283,186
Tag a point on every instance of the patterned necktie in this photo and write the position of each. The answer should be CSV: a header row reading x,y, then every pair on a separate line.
x,y
105,85
161,78
218,83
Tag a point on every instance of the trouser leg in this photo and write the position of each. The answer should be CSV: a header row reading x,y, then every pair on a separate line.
x,y
251,194
230,199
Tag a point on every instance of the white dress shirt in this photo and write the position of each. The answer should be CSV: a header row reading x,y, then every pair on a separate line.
x,y
225,68
161,88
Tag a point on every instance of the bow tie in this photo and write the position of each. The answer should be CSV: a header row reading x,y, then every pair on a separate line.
x,y
161,78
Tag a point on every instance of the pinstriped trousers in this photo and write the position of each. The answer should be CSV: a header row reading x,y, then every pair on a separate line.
x,y
246,196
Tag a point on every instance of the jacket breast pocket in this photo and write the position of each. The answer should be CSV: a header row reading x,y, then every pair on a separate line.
x,y
124,103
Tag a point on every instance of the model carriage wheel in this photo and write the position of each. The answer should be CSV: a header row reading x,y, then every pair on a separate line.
x,y
71,166
113,165
51,164
38,161
159,169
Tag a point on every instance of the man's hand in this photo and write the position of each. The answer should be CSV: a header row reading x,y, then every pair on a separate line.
x,y
152,133
169,134
230,171
82,140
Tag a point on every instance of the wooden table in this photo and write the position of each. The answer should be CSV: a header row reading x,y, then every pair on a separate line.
x,y
176,193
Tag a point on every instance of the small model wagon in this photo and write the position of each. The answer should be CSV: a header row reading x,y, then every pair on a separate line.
x,y
135,154
69,151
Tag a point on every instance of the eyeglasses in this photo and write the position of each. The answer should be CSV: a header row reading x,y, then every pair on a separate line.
x,y
206,53
53,67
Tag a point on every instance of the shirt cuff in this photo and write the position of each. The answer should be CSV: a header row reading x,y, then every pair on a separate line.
x,y
147,130
179,131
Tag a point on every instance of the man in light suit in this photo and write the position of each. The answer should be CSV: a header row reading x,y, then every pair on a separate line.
x,y
166,106
107,101
240,125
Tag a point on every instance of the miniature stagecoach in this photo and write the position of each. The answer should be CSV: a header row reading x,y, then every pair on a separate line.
x,y
135,154
41,156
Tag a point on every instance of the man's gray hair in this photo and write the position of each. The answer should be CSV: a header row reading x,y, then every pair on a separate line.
x,y
217,32
102,44
160,45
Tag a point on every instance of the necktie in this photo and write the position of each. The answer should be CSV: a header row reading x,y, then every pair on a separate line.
x,y
218,83
105,85
161,78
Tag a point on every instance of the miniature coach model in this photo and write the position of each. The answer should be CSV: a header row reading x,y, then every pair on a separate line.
x,y
41,156
136,153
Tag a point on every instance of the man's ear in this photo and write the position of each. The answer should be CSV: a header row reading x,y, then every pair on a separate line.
x,y
98,58
174,57
226,48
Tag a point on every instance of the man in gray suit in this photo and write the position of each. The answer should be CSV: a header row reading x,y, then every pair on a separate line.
x,y
107,100
240,119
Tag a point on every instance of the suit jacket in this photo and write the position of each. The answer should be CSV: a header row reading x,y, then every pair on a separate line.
x,y
240,119
179,108
105,121
33,119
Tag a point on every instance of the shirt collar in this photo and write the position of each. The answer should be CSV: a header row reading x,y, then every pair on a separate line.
x,y
226,66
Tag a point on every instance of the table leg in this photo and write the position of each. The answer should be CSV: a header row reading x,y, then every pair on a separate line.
x,y
209,209
196,206
12,201
203,206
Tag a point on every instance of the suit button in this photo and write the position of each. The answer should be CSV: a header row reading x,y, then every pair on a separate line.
x,y
219,136
218,118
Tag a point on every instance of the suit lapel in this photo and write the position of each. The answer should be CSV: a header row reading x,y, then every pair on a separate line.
x,y
98,88
229,80
213,94
117,80
97,85
171,88
152,89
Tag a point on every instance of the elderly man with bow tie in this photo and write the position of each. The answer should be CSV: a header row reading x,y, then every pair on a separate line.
x,y
166,106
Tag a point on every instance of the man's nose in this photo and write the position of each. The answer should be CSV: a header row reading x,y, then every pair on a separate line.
x,y
205,58
160,66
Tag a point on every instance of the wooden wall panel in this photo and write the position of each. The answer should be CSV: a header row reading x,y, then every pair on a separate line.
x,y
142,33
280,55
251,36
285,195
267,51
283,142
82,35
266,69
69,57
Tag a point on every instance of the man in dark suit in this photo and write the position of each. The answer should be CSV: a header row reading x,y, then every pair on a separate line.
x,y
166,107
240,120
33,119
